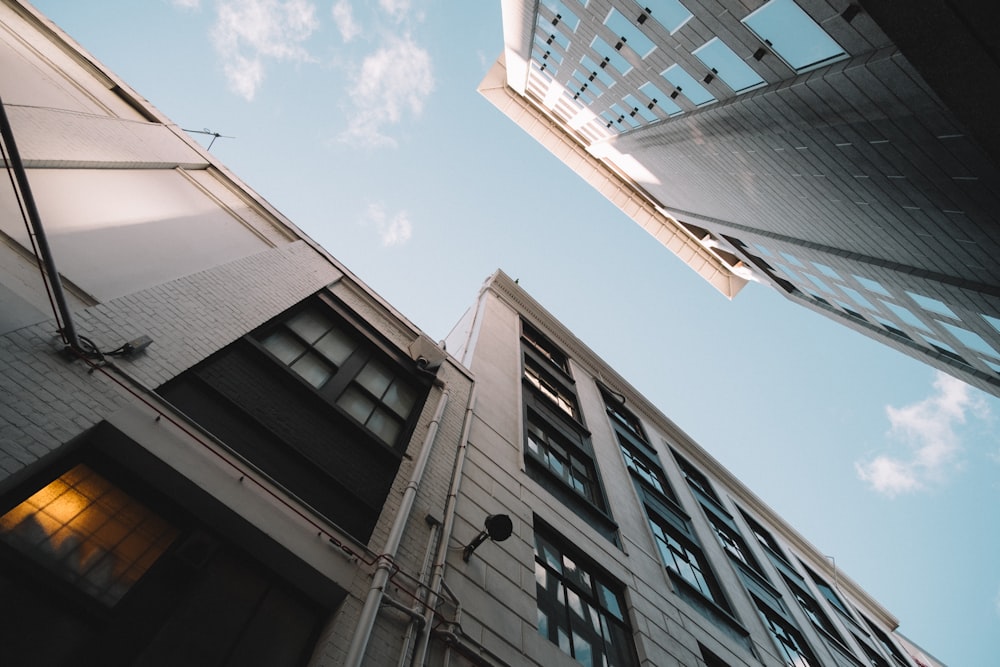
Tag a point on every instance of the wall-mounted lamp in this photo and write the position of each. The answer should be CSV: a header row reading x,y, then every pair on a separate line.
x,y
498,528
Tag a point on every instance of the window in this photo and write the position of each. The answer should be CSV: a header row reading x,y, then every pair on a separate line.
x,y
628,33
904,315
792,34
728,66
671,14
621,416
573,467
711,660
313,344
732,542
557,450
932,305
792,649
887,644
810,607
696,479
828,592
874,659
88,532
645,472
580,609
98,566
544,347
685,83
765,538
316,399
549,388
684,558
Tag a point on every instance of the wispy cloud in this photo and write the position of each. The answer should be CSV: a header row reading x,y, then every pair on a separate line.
x,y
186,4
343,16
249,32
392,229
393,81
928,431
397,9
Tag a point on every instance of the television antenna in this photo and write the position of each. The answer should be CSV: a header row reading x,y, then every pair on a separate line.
x,y
214,135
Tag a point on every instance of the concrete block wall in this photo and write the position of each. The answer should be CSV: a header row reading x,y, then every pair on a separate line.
x,y
46,399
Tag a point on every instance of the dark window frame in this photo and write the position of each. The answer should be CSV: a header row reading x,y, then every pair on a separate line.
x,y
370,348
792,647
593,586
544,347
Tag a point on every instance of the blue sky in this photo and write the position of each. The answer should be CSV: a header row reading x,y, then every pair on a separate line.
x,y
360,121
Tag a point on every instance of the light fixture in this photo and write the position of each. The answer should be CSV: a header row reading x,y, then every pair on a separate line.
x,y
498,528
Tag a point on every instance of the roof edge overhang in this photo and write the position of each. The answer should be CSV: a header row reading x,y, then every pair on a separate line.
x,y
498,88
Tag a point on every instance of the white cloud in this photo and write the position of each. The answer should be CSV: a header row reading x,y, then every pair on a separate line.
x,y
186,4
343,16
393,230
397,9
247,32
393,81
927,429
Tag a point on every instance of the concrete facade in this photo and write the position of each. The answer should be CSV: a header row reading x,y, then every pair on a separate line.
x,y
848,169
670,624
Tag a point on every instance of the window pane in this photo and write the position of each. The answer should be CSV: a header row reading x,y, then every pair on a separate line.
x,y
356,403
685,83
335,346
89,533
671,14
728,66
284,346
313,368
375,377
310,324
792,34
400,398
385,425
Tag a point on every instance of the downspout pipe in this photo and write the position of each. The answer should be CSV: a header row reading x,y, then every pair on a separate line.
x,y
383,569
437,579
45,252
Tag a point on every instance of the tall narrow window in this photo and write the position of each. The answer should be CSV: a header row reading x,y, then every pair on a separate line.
x,y
557,449
685,559
580,609
549,388
792,648
732,542
696,479
544,347
810,607
765,538
564,460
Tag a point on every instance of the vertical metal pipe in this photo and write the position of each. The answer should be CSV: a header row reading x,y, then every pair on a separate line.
x,y
437,580
369,612
48,261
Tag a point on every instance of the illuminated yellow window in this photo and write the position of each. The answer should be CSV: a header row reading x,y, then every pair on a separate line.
x,y
89,532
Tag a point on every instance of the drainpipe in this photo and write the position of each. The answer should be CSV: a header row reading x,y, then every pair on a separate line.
x,y
41,241
366,622
437,580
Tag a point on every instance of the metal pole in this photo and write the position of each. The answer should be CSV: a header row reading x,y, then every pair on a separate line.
x,y
48,261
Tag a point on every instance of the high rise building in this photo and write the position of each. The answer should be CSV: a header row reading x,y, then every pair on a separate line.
x,y
220,447
831,149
